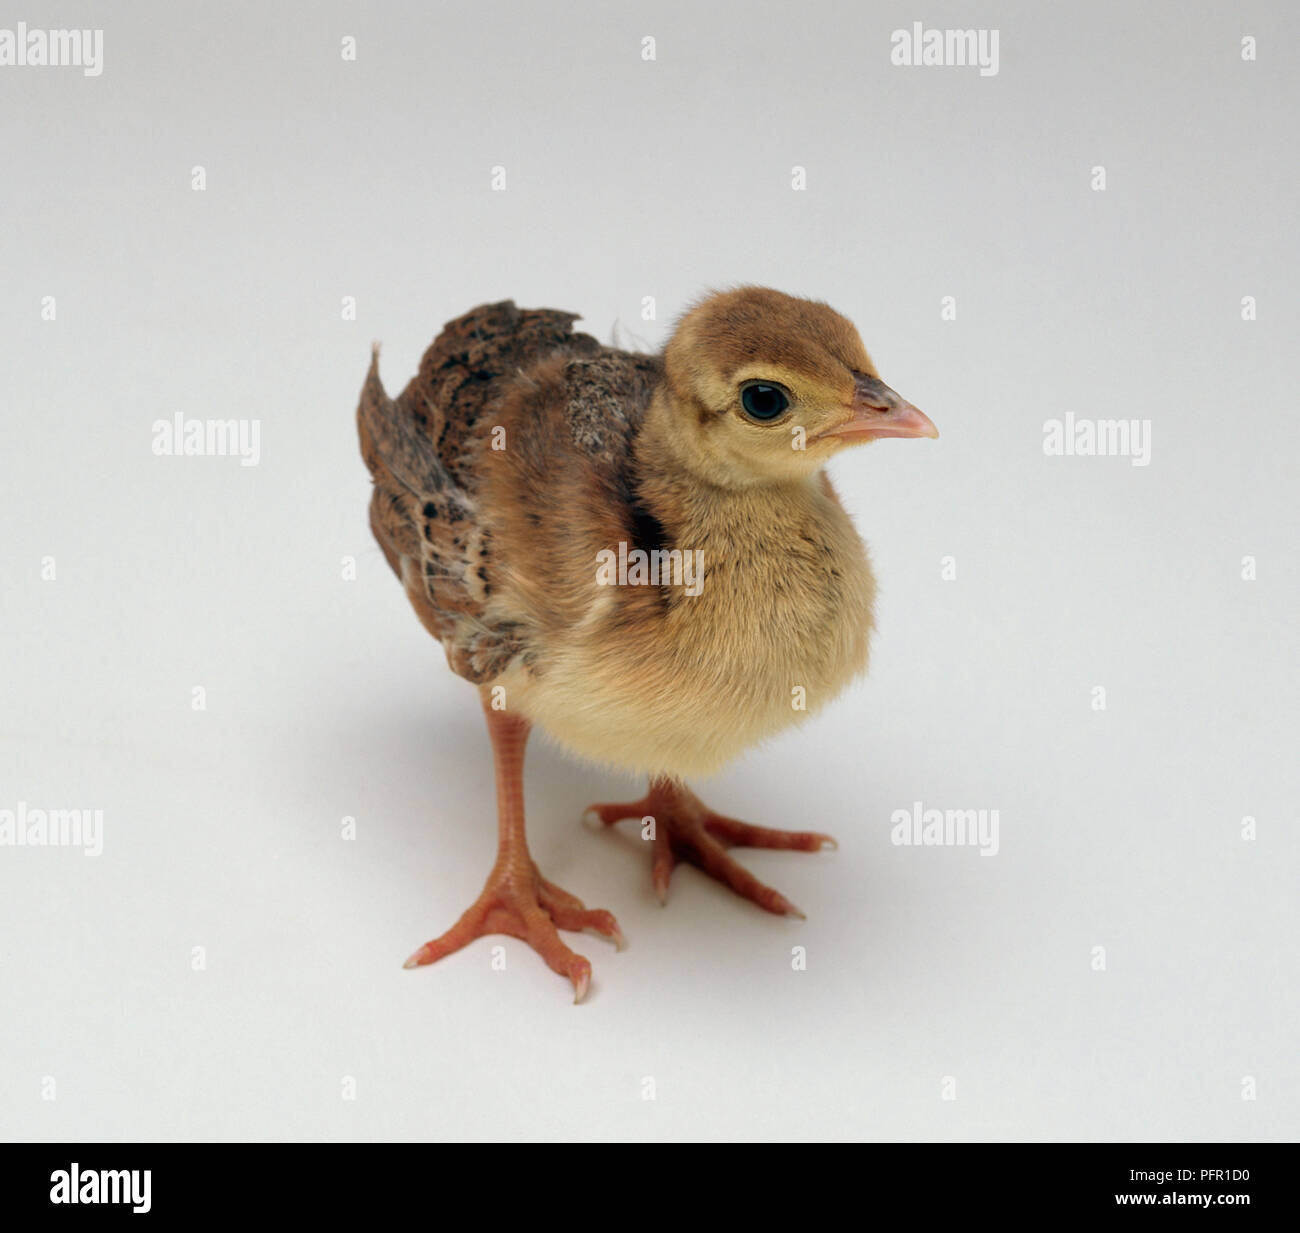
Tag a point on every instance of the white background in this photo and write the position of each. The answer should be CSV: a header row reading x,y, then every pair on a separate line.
x,y
1120,828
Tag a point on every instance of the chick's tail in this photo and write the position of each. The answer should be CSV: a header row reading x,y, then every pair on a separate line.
x,y
403,464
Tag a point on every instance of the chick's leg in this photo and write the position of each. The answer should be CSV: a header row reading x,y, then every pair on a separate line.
x,y
683,828
516,899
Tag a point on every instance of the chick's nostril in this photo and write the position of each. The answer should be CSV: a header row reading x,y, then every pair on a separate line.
x,y
874,393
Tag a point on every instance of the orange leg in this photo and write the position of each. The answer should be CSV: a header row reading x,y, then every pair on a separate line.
x,y
685,829
516,899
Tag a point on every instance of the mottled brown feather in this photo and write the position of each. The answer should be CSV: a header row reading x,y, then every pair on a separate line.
x,y
524,371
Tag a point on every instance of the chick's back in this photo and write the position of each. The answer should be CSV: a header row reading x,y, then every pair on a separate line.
x,y
501,464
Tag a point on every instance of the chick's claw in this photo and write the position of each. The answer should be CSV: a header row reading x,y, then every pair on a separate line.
x,y
567,912
682,828
534,910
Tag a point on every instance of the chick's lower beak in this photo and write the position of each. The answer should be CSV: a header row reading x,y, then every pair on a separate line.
x,y
879,412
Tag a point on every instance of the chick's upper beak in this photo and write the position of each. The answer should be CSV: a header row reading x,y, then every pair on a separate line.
x,y
879,412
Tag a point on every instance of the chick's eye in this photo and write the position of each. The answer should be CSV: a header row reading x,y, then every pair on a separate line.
x,y
764,402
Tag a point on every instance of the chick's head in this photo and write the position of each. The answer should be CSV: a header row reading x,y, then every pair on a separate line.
x,y
766,387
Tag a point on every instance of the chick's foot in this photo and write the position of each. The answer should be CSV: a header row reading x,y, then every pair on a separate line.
x,y
683,828
522,904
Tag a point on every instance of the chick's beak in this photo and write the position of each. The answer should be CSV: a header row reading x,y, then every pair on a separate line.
x,y
878,412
